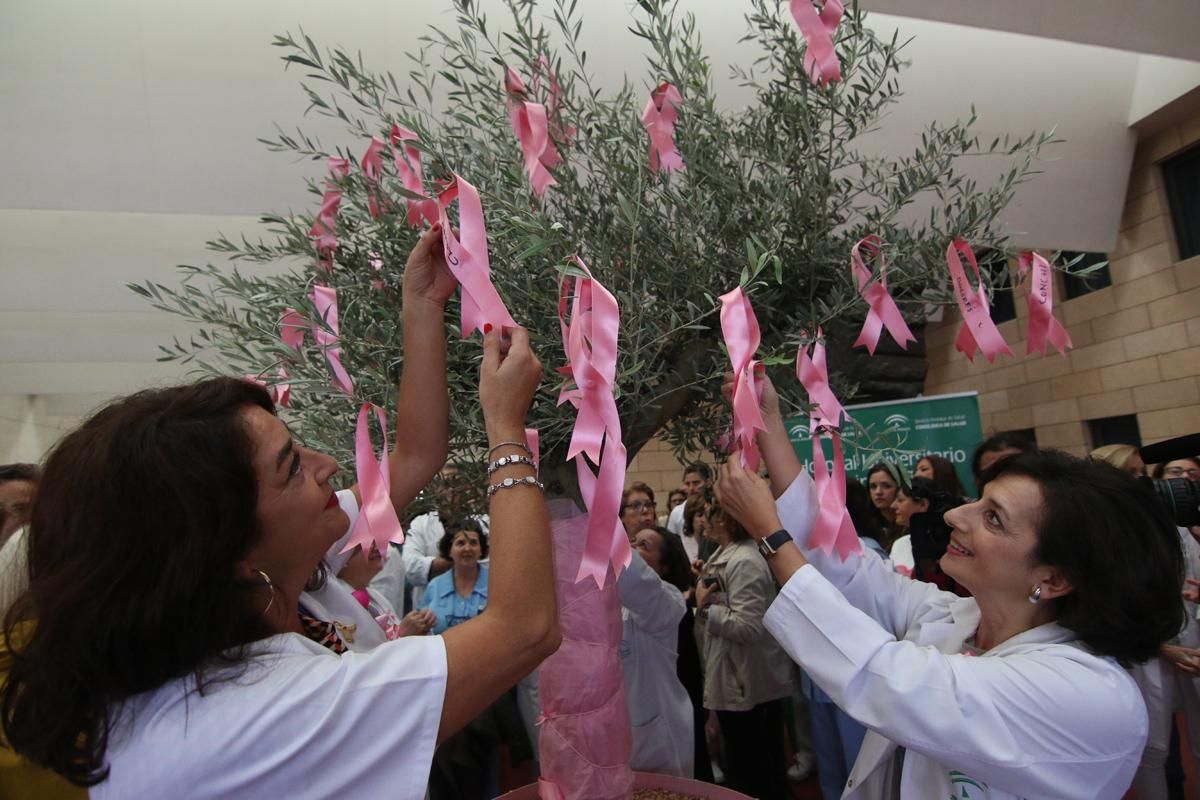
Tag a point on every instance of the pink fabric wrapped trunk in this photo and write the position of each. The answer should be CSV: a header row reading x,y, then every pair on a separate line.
x,y
585,740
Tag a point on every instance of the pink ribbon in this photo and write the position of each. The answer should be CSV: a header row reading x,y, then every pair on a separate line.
x,y
659,118
559,132
281,393
532,127
1039,294
820,59
884,313
372,167
325,299
977,329
590,342
377,523
740,329
467,258
833,529
292,328
533,440
407,159
324,227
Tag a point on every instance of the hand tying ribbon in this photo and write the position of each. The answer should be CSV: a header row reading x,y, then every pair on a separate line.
x,y
977,329
884,312
324,227
659,118
377,523
820,58
407,159
833,529
1039,294
372,168
325,299
532,127
739,327
590,342
467,257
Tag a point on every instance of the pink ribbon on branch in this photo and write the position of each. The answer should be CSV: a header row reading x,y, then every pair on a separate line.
x,y
590,343
532,126
325,299
281,393
659,119
467,257
884,313
820,58
739,327
1044,329
977,329
559,132
377,522
833,529
372,169
407,159
324,227
292,327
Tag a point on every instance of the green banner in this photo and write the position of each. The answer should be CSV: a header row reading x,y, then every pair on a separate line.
x,y
901,431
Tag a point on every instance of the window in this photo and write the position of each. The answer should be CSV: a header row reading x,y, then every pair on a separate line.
x,y
1181,177
1076,284
1115,430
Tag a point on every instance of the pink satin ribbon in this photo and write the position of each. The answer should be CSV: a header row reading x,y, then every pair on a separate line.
x,y
377,522
325,299
292,328
281,393
590,342
324,227
740,329
533,440
559,132
372,168
659,118
833,529
467,257
407,159
820,59
977,329
532,126
1044,329
883,313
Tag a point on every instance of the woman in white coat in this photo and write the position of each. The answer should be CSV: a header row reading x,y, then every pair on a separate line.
x,y
1013,693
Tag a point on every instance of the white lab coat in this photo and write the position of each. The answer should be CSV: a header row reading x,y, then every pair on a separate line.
x,y
659,707
1035,717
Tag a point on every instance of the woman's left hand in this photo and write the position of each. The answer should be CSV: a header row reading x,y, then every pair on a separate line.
x,y
748,498
426,276
1184,659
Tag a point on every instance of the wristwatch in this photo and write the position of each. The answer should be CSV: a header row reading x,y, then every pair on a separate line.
x,y
769,545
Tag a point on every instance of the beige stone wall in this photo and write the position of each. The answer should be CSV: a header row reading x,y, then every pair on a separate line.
x,y
1137,342
656,466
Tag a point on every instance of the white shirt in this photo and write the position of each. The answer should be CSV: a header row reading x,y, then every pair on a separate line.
x,y
659,707
13,569
675,521
1035,717
902,554
390,582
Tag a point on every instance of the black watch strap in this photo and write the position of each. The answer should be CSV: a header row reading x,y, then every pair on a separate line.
x,y
769,545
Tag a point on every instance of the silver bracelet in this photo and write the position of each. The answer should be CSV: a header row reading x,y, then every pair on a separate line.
x,y
521,445
509,483
508,461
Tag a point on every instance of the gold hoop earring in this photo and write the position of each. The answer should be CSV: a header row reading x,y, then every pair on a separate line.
x,y
267,579
1036,594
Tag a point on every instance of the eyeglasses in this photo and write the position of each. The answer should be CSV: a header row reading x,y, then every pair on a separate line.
x,y
1192,473
640,505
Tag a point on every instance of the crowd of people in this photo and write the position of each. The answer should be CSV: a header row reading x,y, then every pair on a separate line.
x,y
181,619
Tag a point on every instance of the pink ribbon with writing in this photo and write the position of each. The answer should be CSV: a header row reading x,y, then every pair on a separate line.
x,y
372,168
407,159
324,227
977,329
1044,329
883,313
377,523
740,329
659,118
325,299
833,529
590,342
532,127
820,58
467,257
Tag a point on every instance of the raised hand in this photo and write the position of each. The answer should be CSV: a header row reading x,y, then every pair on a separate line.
x,y
426,276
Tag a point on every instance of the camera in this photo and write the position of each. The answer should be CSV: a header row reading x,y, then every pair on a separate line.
x,y
1181,498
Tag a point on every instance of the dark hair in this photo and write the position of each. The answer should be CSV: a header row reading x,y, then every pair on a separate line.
x,y
636,486
19,472
928,530
676,569
1117,546
944,474
867,520
142,514
891,469
456,527
679,492
736,532
700,468
1160,469
692,506
1007,440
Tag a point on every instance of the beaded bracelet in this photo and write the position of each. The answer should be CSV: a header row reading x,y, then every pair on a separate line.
x,y
509,483
508,461
521,445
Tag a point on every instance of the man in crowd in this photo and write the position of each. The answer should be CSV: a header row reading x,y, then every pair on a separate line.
x,y
696,478
17,482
